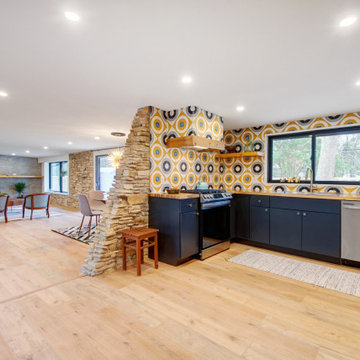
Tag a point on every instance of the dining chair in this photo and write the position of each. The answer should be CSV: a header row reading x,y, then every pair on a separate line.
x,y
3,205
86,210
36,202
96,200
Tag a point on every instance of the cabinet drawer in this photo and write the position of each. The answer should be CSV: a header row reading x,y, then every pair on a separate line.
x,y
189,205
259,200
317,205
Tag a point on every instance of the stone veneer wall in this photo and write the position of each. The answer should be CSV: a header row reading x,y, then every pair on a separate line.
x,y
81,179
127,204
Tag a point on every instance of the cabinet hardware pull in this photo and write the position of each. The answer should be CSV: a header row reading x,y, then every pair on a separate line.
x,y
297,213
266,210
189,205
304,214
197,214
259,201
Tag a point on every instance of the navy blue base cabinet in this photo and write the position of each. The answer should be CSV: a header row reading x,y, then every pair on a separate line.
x,y
285,228
321,233
178,224
308,227
259,224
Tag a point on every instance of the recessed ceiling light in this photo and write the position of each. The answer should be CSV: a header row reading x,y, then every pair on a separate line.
x,y
72,16
45,147
357,83
348,21
4,94
240,108
69,142
27,151
186,79
97,137
13,154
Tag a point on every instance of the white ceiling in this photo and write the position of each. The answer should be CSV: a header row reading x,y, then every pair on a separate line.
x,y
66,81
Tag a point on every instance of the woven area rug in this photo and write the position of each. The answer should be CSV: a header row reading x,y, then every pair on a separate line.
x,y
73,233
340,280
16,214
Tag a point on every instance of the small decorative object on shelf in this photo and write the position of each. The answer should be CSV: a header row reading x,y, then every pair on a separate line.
x,y
249,146
290,180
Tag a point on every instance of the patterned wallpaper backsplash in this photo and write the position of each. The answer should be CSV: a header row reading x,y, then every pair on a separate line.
x,y
250,174
179,168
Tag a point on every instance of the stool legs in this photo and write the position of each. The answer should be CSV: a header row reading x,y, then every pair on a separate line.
x,y
139,242
124,252
156,255
142,251
139,251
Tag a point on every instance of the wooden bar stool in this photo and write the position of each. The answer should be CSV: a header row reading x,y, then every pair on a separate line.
x,y
137,237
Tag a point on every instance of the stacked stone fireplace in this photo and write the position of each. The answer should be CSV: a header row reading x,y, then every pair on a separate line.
x,y
127,204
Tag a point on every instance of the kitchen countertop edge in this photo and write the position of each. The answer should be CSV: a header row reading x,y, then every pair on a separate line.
x,y
181,196
300,195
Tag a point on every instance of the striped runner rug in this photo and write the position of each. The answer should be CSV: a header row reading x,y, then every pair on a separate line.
x,y
325,276
73,233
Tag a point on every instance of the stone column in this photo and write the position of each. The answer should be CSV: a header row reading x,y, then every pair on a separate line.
x,y
127,204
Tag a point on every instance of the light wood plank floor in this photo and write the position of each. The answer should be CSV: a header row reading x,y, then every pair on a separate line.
x,y
200,310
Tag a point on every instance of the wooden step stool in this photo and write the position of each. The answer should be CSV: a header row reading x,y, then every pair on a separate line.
x,y
137,237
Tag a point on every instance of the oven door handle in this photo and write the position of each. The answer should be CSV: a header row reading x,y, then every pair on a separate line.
x,y
207,206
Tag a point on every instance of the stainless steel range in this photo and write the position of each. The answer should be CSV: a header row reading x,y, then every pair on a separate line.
x,y
214,221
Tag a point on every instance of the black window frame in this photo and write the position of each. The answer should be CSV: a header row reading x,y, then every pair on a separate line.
x,y
312,134
60,177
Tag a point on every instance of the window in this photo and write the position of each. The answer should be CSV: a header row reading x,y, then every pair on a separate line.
x,y
291,156
333,155
58,176
105,173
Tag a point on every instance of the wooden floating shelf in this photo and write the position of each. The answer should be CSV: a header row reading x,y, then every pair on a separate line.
x,y
240,155
20,177
197,143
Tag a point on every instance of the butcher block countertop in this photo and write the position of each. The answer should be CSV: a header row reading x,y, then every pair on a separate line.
x,y
181,196
314,195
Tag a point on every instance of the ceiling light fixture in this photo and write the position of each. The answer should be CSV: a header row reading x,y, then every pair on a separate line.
x,y
13,154
27,151
116,155
186,79
97,137
72,16
357,83
240,108
4,94
69,142
348,21
45,147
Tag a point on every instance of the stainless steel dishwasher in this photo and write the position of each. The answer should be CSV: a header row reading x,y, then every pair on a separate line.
x,y
350,231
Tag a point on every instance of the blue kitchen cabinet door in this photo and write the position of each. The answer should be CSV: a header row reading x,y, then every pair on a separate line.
x,y
189,230
259,224
321,233
285,228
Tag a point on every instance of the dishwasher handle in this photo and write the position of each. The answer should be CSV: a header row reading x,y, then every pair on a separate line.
x,y
350,206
